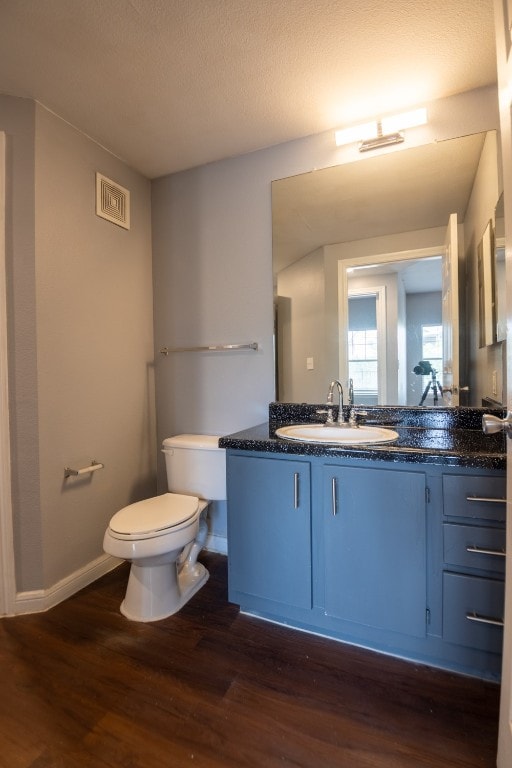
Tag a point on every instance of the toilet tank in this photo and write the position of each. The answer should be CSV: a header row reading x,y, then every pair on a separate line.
x,y
196,466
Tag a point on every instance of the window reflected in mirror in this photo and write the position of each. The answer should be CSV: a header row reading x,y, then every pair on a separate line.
x,y
363,358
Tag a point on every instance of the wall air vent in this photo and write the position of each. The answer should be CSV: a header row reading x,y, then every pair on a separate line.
x,y
112,201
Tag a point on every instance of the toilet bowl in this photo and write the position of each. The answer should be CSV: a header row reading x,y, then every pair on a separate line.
x,y
162,536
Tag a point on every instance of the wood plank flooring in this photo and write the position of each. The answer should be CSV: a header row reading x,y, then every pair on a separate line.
x,y
81,687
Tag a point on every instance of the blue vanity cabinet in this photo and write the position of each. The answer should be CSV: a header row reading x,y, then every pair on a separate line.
x,y
402,557
375,547
269,531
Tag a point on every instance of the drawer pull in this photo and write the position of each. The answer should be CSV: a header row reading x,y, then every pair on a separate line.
x,y
485,498
484,619
484,551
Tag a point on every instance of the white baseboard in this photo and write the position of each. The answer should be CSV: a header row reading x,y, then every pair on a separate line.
x,y
39,600
216,543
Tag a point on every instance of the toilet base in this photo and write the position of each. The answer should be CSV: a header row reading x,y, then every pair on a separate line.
x,y
156,592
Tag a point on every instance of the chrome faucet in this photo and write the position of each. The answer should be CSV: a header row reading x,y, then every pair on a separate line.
x,y
330,402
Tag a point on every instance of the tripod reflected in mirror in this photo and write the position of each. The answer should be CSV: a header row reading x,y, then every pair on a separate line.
x,y
424,368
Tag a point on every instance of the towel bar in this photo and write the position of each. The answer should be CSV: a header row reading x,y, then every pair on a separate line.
x,y
210,348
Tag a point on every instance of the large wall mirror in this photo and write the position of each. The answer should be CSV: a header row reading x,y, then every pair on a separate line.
x,y
365,263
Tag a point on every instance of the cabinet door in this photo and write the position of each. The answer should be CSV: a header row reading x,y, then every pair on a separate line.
x,y
269,529
375,547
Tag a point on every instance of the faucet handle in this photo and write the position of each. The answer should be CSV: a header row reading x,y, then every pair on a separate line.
x,y
326,411
354,413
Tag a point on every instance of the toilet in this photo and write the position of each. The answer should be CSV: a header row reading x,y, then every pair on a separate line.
x,y
162,536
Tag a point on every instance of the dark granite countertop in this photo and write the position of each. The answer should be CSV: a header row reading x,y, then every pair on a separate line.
x,y
439,436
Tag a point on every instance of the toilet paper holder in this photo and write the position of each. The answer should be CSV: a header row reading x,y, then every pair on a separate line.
x,y
93,466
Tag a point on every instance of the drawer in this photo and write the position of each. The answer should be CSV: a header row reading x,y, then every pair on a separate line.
x,y
473,546
477,496
473,611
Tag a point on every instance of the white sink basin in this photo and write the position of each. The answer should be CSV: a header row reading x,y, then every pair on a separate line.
x,y
337,435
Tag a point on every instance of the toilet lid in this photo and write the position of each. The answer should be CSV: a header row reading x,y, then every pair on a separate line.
x,y
154,514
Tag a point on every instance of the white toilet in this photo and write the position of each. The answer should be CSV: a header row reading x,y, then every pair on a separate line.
x,y
163,536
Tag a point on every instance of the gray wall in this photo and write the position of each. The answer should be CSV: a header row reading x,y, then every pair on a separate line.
x,y
212,266
80,315
213,284
212,239
17,119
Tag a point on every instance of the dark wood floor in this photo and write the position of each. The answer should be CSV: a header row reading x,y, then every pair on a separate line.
x,y
82,686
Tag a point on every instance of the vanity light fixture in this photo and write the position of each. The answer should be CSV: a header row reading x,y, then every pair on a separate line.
x,y
381,140
383,132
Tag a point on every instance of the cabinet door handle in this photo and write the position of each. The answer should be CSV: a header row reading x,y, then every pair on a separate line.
x,y
485,498
296,490
484,551
484,619
334,496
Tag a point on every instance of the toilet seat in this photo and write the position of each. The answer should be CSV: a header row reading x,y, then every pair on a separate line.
x,y
153,517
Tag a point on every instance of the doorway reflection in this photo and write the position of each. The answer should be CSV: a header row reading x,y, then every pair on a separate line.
x,y
406,294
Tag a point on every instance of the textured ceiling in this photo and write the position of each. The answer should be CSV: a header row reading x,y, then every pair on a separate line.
x,y
171,84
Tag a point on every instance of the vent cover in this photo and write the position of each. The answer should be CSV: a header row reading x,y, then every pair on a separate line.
x,y
112,201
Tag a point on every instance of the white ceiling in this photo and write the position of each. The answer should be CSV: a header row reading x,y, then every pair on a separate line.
x,y
171,84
